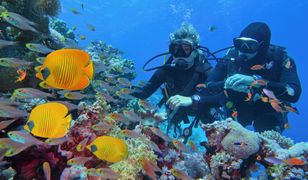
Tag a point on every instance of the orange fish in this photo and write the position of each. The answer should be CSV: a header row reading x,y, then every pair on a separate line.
x,y
146,105
295,162
193,146
47,170
69,69
257,67
258,158
291,109
150,168
287,64
275,104
258,82
264,99
234,114
160,134
22,75
249,96
180,146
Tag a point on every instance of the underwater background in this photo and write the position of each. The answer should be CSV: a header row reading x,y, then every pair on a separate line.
x,y
98,130
141,30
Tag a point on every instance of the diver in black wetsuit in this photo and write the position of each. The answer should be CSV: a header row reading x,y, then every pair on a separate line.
x,y
254,61
188,67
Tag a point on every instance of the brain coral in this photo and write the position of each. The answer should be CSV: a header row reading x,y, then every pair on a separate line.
x,y
240,142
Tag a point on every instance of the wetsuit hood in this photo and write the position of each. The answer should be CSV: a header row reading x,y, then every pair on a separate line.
x,y
262,33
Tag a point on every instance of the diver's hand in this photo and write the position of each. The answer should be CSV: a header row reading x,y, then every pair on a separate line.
x,y
239,82
177,101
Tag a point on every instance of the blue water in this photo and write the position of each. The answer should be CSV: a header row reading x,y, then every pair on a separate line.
x,y
141,28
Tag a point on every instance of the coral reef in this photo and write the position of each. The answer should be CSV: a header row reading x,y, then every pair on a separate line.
x,y
284,142
46,7
232,152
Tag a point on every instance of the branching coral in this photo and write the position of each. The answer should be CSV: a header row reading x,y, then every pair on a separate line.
x,y
138,149
284,142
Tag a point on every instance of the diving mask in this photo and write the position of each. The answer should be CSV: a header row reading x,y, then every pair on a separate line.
x,y
181,48
246,45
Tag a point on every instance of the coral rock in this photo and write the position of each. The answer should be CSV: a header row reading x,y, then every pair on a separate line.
x,y
238,134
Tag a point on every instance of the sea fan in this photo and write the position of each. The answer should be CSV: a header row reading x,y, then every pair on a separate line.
x,y
46,7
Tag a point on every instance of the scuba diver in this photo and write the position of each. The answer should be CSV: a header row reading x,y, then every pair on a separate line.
x,y
182,72
256,82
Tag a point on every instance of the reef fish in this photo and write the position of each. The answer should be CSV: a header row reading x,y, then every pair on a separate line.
x,y
131,133
75,95
150,168
23,137
22,75
69,105
10,148
50,120
180,146
13,62
82,144
90,27
212,28
295,161
257,67
102,126
124,82
117,117
39,48
160,134
56,141
193,146
123,95
12,112
82,37
107,173
269,93
40,60
18,21
69,69
78,161
4,43
8,102
74,11
29,93
132,116
47,170
180,175
146,105
109,148
4,124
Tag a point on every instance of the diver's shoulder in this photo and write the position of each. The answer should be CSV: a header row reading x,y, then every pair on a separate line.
x,y
277,52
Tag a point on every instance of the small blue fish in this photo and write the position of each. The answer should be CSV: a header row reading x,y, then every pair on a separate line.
x,y
269,65
290,90
240,144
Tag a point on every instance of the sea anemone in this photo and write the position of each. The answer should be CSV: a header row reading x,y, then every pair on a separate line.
x,y
46,7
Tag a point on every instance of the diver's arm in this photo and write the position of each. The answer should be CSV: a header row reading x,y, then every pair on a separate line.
x,y
289,77
215,81
151,86
212,95
211,100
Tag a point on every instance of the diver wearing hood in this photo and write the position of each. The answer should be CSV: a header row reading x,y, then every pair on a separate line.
x,y
185,68
256,83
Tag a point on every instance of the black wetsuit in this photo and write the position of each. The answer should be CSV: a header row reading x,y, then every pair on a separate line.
x,y
177,82
277,73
